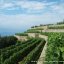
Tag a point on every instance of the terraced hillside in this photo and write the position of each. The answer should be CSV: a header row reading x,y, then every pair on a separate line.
x,y
49,28
39,45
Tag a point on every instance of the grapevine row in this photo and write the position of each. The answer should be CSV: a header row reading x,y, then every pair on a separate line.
x,y
8,53
34,54
16,57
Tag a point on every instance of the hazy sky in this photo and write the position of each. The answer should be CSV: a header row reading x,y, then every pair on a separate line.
x,y
17,15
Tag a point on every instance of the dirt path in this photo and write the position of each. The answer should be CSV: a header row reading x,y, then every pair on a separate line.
x,y
43,54
53,30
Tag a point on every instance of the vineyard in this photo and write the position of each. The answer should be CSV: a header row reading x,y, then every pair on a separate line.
x,y
30,50
16,51
55,49
21,34
22,53
56,27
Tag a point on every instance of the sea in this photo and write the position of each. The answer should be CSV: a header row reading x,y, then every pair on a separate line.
x,y
11,32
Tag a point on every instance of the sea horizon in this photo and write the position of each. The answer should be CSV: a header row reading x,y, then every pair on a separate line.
x,y
11,32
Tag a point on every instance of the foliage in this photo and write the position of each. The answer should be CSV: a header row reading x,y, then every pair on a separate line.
x,y
16,53
8,53
32,31
53,53
56,27
21,34
34,54
60,22
7,41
